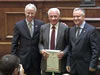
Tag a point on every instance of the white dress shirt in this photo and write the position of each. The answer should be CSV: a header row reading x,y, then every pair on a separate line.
x,y
56,31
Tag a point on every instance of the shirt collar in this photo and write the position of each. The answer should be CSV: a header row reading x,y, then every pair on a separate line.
x,y
28,21
82,25
56,26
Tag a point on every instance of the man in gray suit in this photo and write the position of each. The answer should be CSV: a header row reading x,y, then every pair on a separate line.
x,y
83,46
61,40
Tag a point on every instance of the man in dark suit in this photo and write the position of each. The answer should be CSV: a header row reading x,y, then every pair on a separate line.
x,y
61,40
25,41
83,49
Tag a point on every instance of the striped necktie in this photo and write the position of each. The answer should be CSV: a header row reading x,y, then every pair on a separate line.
x,y
30,28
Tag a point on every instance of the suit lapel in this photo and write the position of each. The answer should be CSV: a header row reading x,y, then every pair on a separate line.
x,y
83,33
47,34
35,27
59,33
26,28
73,33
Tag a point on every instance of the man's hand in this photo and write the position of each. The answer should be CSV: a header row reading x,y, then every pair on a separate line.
x,y
44,53
68,68
60,55
92,69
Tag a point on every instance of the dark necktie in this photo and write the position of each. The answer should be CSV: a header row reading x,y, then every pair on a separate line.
x,y
78,32
30,28
52,44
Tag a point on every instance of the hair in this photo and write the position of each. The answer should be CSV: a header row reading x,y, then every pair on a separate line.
x,y
30,6
53,9
80,9
8,63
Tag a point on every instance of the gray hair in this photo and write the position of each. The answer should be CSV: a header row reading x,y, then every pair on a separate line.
x,y
80,9
54,9
30,6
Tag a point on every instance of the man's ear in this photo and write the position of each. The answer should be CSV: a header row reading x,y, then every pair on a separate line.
x,y
15,71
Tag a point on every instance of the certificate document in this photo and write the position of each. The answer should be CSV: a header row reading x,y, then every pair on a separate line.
x,y
53,62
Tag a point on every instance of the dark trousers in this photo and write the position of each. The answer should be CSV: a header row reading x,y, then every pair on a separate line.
x,y
34,69
93,73
80,71
33,72
90,73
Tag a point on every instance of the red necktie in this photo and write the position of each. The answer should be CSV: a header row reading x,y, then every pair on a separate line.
x,y
52,44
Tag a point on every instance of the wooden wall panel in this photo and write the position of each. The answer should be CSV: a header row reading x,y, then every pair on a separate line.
x,y
10,19
5,48
91,15
12,11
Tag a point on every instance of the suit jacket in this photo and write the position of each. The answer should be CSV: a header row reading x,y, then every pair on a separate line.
x,y
25,46
84,49
61,43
